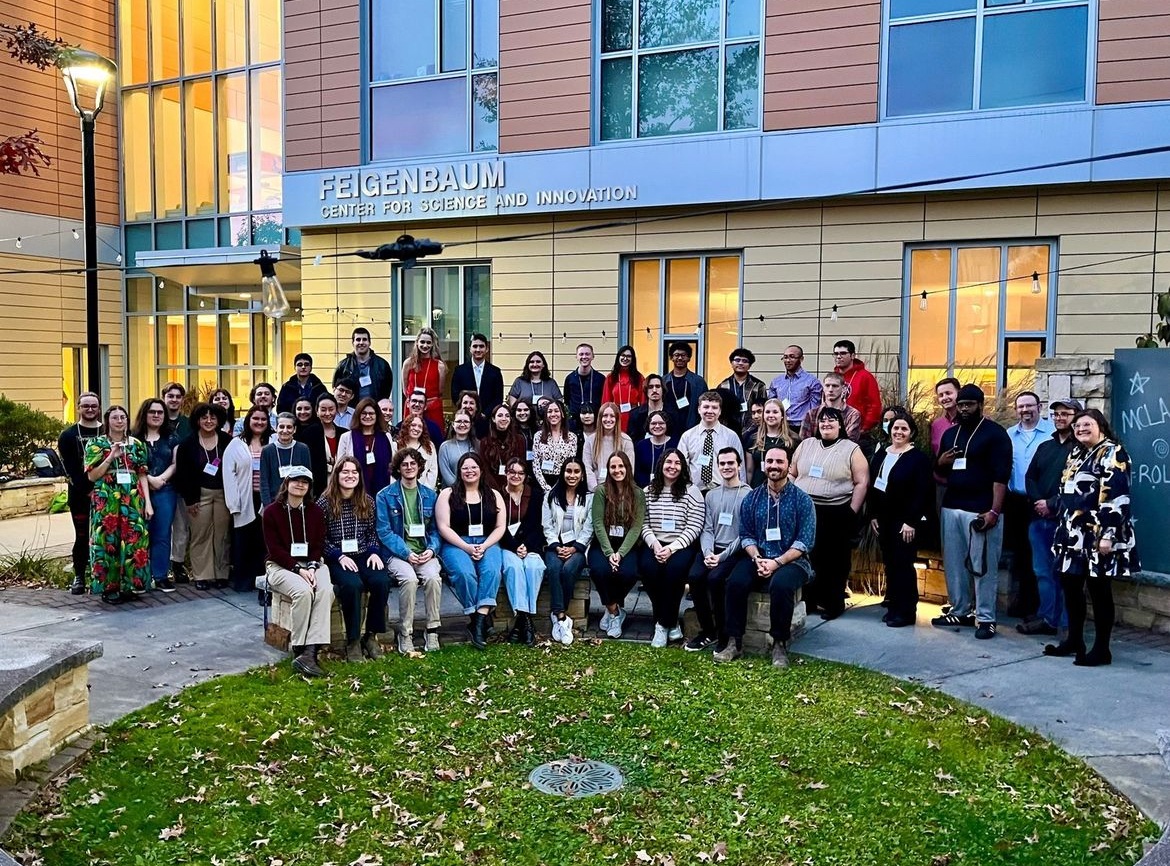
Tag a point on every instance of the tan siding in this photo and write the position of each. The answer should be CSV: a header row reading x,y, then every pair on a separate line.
x,y
1133,51
544,74
322,84
820,63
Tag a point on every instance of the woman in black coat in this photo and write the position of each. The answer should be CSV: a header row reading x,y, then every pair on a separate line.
x,y
310,431
900,489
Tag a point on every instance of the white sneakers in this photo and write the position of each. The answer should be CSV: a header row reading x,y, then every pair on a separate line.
x,y
562,629
614,629
675,634
661,636
606,621
431,644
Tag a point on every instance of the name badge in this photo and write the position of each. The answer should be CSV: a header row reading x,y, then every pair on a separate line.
x,y
365,381
299,548
743,406
668,525
704,459
475,529
816,472
725,518
681,402
212,468
785,403
125,477
529,455
513,528
625,408
284,471
880,484
370,458
1070,487
415,530
503,470
960,463
349,545
772,534
548,466
567,538
255,464
617,531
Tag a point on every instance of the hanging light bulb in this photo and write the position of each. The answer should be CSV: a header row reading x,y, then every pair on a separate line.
x,y
529,338
1036,290
448,337
649,336
19,243
922,301
833,315
161,284
317,259
118,258
604,338
564,337
274,303
76,235
500,336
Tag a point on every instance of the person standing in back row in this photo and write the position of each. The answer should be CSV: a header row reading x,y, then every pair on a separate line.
x,y
742,385
172,395
1027,436
864,395
71,448
370,371
303,384
424,373
584,387
479,375
682,387
798,390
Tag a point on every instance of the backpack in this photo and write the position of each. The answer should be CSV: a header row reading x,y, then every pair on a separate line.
x,y
46,464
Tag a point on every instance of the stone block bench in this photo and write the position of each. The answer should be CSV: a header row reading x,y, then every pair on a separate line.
x,y
44,700
756,637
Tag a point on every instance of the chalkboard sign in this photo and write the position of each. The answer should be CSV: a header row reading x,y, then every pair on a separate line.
x,y
1141,418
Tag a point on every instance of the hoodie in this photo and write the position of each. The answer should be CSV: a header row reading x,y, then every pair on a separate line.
x,y
864,394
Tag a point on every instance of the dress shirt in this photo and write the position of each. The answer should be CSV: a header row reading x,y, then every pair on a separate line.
x,y
691,445
802,391
1024,445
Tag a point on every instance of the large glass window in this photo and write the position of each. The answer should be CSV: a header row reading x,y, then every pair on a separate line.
x,y
200,148
168,152
232,117
196,37
985,317
267,138
164,39
133,42
671,69
231,34
136,158
433,70
959,55
692,299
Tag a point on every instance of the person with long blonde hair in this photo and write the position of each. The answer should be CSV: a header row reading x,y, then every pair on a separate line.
x,y
773,432
604,441
424,372
353,554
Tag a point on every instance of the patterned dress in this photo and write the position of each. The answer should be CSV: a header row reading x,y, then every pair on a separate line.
x,y
1094,504
119,549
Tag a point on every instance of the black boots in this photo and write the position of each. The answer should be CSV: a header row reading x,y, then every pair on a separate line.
x,y
523,631
529,631
477,628
78,585
306,663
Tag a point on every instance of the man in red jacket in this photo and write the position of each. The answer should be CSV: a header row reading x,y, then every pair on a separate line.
x,y
864,394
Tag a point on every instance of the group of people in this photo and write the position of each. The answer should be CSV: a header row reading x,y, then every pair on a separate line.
x,y
315,492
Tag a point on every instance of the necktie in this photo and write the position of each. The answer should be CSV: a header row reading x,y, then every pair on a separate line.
x,y
708,471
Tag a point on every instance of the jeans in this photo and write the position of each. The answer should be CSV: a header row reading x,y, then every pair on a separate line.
x,y
523,577
476,584
665,582
1052,610
613,586
782,588
709,593
832,557
561,574
79,511
959,546
164,501
348,586
901,578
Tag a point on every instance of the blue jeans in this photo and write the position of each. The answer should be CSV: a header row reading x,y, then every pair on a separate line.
x,y
164,502
523,577
1041,534
476,584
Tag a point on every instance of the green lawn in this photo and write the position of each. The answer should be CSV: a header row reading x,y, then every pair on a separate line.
x,y
418,761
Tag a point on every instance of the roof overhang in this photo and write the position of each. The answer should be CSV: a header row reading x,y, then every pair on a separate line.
x,y
214,268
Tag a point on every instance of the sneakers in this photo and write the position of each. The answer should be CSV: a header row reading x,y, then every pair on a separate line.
x,y
557,629
700,642
660,636
606,621
179,572
1035,626
353,652
614,629
985,631
674,634
165,585
779,655
953,620
566,625
729,653
431,642
371,647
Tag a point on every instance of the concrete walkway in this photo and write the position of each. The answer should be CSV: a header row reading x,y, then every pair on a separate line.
x,y
51,533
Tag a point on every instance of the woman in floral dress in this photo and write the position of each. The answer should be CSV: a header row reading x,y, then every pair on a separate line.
x,y
120,509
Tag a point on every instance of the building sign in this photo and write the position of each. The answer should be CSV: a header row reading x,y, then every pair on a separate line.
x,y
1141,418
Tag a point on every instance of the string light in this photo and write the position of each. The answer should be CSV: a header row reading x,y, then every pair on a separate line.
x,y
564,337
118,258
316,260
604,338
529,338
19,243
161,284
833,316
76,236
922,301
1036,290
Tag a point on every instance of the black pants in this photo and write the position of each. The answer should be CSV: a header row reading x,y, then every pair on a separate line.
x,y
781,589
79,511
832,557
709,593
561,575
901,578
1018,516
665,582
348,586
612,586
248,552
1101,594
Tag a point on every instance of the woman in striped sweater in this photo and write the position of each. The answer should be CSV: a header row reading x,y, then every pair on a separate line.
x,y
674,519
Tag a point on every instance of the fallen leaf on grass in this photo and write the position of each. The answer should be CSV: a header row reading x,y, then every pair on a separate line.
x,y
816,786
174,832
643,857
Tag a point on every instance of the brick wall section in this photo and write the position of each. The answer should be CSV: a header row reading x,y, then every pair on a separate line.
x,y
322,84
544,74
1133,51
38,100
821,62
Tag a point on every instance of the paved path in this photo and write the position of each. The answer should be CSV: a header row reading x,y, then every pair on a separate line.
x,y
52,533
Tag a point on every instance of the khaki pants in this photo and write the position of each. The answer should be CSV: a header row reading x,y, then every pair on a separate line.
x,y
210,530
311,606
408,577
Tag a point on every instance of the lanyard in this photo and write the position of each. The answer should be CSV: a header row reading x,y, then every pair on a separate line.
x,y
581,388
686,387
971,436
768,519
289,449
304,526
537,396
125,458
739,391
216,449
654,452
723,498
510,503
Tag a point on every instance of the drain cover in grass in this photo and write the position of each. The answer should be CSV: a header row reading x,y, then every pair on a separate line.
x,y
575,777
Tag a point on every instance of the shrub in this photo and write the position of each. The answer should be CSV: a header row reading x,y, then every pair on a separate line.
x,y
23,430
33,568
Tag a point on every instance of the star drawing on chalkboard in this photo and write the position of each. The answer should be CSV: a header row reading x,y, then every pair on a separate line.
x,y
1137,385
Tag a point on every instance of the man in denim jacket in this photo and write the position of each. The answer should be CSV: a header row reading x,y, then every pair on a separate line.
x,y
410,539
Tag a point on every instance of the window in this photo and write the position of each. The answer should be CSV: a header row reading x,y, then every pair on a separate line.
x,y
434,73
671,69
984,320
75,377
959,55
692,299
455,300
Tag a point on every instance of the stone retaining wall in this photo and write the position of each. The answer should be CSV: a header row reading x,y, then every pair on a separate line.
x,y
28,496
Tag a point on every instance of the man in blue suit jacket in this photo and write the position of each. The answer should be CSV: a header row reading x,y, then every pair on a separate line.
x,y
480,376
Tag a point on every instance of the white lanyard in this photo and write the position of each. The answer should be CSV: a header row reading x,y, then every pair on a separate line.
x,y
537,396
686,387
293,543
581,387
972,436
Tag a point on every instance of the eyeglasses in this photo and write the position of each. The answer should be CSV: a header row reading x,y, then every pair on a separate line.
x,y
740,361
160,411
514,472
842,352
792,357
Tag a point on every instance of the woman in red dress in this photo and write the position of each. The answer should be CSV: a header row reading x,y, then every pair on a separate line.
x,y
425,371
623,385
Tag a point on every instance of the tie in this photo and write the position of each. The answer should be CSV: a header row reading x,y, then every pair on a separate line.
x,y
708,472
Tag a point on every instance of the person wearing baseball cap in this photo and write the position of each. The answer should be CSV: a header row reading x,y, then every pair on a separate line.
x,y
294,533
1043,488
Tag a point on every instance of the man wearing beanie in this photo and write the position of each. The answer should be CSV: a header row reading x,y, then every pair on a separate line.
x,y
975,457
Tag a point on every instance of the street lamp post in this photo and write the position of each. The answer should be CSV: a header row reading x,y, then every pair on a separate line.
x,y
87,76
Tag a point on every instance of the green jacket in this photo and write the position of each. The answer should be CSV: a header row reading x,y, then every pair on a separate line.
x,y
633,531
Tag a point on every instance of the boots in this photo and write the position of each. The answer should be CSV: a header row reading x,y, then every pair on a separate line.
x,y
353,652
477,628
306,663
517,633
78,585
529,631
